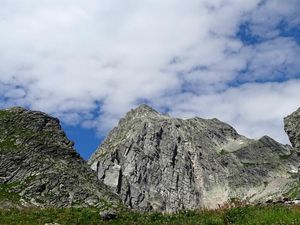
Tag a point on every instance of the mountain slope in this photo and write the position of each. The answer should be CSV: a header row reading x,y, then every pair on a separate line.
x,y
39,166
155,162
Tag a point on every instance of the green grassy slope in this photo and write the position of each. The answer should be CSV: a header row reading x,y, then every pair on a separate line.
x,y
249,215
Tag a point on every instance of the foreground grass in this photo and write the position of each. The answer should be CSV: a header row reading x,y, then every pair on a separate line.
x,y
248,215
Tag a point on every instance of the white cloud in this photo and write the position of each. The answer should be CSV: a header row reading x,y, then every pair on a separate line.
x,y
90,62
253,109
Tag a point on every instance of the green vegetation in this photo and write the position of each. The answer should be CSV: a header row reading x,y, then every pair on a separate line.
x,y
3,113
243,215
293,193
287,156
8,144
6,194
223,152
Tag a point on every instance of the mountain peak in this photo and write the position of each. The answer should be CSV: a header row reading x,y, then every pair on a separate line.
x,y
143,109
41,166
155,162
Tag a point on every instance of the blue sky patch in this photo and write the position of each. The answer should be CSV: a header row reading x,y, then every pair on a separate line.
x,y
245,35
86,141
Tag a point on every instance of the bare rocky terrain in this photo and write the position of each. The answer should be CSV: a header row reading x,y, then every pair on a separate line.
x,y
156,162
150,162
292,128
40,168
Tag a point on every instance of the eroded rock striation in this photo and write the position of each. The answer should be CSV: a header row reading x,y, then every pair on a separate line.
x,y
155,162
292,128
39,166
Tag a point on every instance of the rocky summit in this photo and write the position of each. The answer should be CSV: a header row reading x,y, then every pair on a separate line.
x,y
156,162
40,168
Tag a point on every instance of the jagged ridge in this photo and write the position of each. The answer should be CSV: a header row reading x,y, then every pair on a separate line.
x,y
40,167
155,162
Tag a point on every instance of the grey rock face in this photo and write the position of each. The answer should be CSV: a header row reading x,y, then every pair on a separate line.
x,y
155,162
39,166
292,128
108,215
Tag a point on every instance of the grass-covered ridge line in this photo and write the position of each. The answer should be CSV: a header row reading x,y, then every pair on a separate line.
x,y
246,215
3,113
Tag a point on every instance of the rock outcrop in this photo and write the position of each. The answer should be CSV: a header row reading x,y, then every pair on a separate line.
x,y
292,128
39,166
155,162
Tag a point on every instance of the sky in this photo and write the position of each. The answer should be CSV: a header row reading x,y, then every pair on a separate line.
x,y
88,62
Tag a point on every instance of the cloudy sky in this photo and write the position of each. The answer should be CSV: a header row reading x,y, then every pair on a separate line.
x,y
89,62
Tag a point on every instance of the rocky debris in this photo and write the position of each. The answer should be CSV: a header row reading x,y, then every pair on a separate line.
x,y
39,166
108,215
286,201
293,202
158,163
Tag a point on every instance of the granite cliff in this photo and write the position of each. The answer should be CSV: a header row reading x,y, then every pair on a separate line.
x,y
155,162
40,168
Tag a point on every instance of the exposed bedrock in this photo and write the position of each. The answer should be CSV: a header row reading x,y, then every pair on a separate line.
x,y
40,168
155,162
